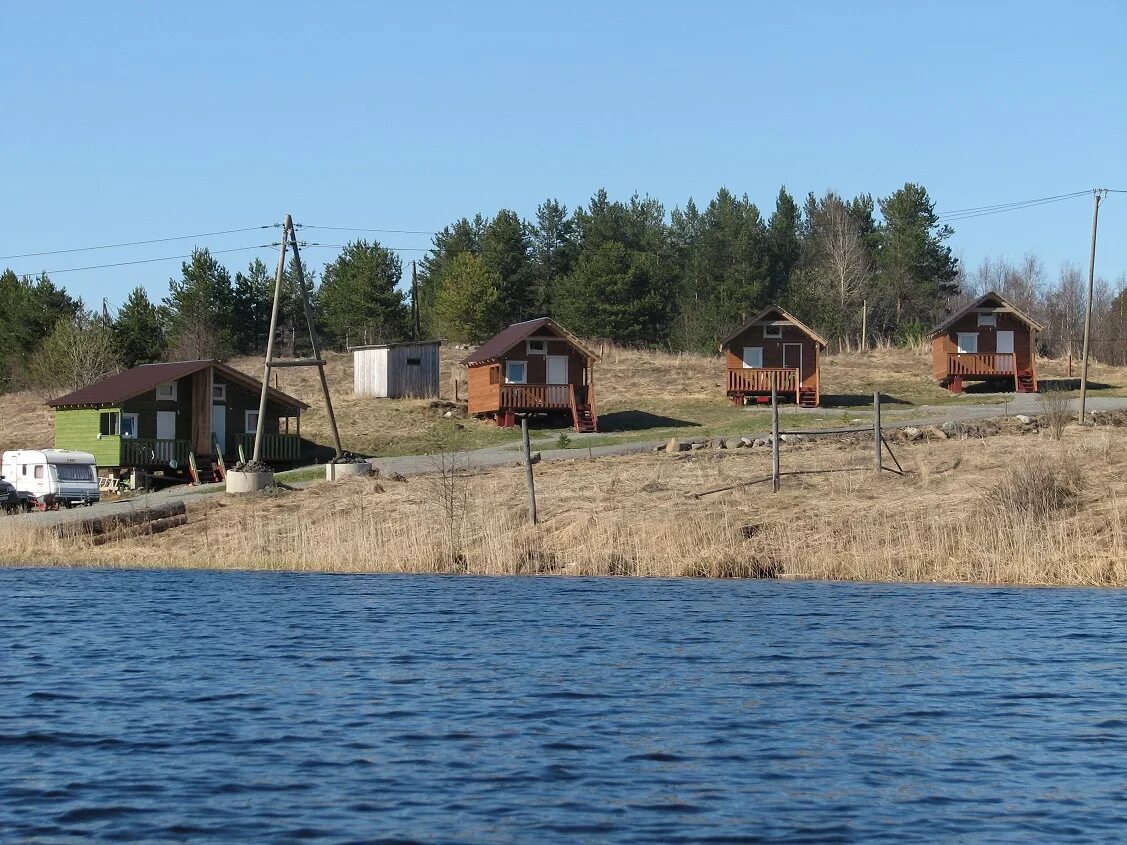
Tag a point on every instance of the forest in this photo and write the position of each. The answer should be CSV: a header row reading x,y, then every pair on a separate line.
x,y
859,270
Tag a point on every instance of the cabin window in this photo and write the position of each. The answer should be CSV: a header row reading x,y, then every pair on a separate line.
x,y
109,423
988,319
968,342
753,357
414,362
251,420
128,425
219,393
516,372
538,347
772,331
167,391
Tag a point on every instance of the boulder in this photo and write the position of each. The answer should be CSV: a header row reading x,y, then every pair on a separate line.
x,y
1023,419
761,441
950,428
720,443
675,445
934,432
911,433
696,447
745,442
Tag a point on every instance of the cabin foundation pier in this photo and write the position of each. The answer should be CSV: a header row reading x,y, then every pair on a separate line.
x,y
248,482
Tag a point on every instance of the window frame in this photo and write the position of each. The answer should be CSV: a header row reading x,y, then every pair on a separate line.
x,y
959,347
773,332
524,374
543,350
135,419
218,394
743,358
247,427
172,393
990,320
114,428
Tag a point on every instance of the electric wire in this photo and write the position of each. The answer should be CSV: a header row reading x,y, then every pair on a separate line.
x,y
149,260
357,229
139,243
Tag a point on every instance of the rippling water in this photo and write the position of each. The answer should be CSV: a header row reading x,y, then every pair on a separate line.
x,y
229,708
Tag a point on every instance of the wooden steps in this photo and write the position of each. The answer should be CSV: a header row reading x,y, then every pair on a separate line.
x,y
1025,383
807,398
584,418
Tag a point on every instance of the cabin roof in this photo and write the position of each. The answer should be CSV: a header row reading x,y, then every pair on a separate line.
x,y
120,387
393,345
509,337
790,318
978,303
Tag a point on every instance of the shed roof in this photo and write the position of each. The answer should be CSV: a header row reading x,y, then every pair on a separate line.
x,y
790,318
978,303
115,389
393,345
509,337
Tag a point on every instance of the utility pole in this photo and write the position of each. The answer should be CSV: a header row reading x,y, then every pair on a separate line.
x,y
414,302
289,240
1099,193
105,313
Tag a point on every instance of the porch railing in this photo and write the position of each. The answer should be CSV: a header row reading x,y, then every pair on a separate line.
x,y
980,363
275,447
758,379
151,452
531,397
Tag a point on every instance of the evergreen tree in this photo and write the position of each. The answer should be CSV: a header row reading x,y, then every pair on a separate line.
x,y
358,300
462,236
199,310
917,269
138,336
468,305
253,301
784,244
553,249
29,311
505,251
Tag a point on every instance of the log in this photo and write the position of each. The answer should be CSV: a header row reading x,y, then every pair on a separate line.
x,y
100,525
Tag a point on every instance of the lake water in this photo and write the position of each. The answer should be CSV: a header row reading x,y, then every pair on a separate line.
x,y
238,708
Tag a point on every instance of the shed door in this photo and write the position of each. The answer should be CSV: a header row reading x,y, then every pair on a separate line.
x,y
166,425
753,357
792,356
557,369
1005,343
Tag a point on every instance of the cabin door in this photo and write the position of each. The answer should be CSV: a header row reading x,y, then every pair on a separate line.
x,y
792,357
219,426
166,425
557,369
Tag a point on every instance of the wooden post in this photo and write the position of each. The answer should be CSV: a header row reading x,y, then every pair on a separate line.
x,y
774,433
877,441
1088,311
864,324
260,428
414,303
528,477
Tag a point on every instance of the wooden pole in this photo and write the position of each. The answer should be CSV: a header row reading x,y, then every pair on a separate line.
x,y
260,428
774,434
877,437
865,324
528,476
414,302
313,335
1088,310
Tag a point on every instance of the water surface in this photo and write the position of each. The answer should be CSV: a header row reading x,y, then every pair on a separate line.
x,y
223,708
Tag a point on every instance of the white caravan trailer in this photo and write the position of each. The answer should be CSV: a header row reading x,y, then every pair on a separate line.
x,y
52,477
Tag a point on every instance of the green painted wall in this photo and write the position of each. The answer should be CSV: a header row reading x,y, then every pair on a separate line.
x,y
78,429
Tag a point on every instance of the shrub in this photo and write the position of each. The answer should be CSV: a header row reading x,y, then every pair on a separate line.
x,y
1056,411
1037,490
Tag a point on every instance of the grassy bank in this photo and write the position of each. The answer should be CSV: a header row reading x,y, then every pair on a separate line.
x,y
1010,509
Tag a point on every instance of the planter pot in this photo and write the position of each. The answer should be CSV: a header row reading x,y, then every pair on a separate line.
x,y
248,482
335,472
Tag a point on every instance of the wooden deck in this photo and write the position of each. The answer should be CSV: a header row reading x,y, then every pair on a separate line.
x,y
536,397
759,379
984,364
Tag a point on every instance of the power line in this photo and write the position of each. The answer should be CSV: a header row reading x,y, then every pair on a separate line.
x,y
985,210
150,260
356,229
390,248
137,243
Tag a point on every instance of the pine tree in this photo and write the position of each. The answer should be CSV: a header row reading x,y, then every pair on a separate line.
x,y
199,310
467,306
505,251
253,301
553,254
358,300
138,336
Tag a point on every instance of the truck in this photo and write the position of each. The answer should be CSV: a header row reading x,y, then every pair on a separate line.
x,y
52,478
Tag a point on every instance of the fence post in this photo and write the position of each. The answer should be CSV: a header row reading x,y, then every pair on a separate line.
x,y
774,433
877,432
528,469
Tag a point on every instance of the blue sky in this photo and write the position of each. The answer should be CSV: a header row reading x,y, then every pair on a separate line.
x,y
124,122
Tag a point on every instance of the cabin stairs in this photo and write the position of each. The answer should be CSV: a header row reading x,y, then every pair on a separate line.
x,y
807,398
1025,382
205,470
585,420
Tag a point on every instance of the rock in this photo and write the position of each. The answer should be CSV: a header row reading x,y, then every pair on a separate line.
x,y
449,415
911,433
1023,419
745,442
935,433
761,441
950,428
395,476
720,444
675,445
696,447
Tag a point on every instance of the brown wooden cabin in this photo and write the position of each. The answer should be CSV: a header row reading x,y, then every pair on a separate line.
x,y
533,367
773,346
989,339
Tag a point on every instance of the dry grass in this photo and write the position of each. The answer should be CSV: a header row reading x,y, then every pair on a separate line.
x,y
946,521
25,422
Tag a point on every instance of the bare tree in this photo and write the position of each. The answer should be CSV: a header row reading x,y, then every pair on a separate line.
x,y
76,353
841,269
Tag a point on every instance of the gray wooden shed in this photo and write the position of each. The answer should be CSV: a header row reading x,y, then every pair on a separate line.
x,y
396,370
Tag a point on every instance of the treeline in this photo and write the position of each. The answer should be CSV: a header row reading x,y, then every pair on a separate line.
x,y
856,269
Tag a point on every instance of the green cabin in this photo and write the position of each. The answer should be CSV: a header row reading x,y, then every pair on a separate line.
x,y
154,415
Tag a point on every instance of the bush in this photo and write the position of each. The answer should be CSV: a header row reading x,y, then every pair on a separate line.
x,y
1056,411
1037,490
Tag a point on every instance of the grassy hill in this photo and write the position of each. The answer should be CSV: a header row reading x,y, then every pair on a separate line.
x,y
640,394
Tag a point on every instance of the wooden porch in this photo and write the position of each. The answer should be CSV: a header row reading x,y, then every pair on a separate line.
x,y
988,365
514,399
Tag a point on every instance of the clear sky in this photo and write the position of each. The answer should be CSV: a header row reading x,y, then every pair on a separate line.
x,y
129,121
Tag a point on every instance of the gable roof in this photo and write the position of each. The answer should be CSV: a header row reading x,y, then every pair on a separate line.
x,y
1005,303
120,387
509,337
790,318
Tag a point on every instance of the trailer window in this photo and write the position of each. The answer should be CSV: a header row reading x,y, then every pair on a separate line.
x,y
39,470
74,472
109,424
